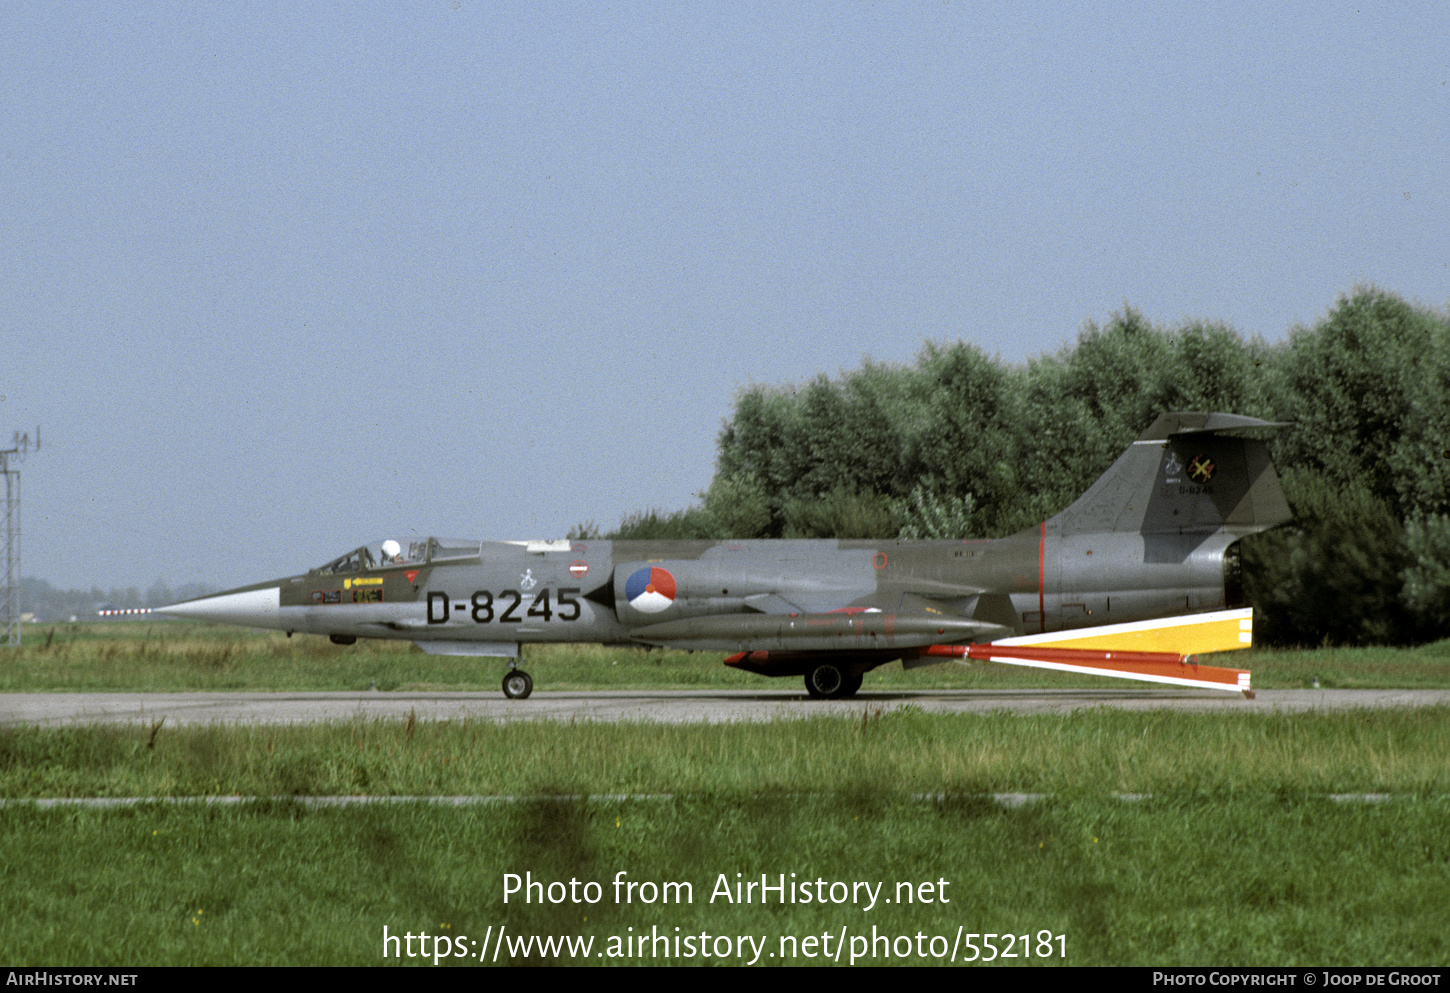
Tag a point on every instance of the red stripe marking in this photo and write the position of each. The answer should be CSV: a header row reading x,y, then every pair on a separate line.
x,y
1042,576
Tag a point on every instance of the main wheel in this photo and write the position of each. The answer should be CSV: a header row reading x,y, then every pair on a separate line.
x,y
517,684
826,681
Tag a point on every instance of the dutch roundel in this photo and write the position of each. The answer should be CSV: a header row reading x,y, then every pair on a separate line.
x,y
650,590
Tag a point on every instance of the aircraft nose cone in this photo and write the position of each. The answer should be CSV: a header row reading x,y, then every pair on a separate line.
x,y
259,608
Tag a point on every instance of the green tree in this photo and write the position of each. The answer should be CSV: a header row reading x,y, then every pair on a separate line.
x,y
740,505
845,513
966,439
691,523
1420,460
1345,392
1335,576
1427,577
927,514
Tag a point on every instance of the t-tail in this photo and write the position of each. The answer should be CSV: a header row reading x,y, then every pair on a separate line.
x,y
1142,573
1190,476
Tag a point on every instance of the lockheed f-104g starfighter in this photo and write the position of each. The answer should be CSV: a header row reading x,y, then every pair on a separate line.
x,y
1134,580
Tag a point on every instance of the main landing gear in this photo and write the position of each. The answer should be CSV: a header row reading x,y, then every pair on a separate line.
x,y
517,684
832,681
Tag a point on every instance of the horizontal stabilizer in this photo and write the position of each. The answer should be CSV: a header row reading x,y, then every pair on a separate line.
x,y
1186,422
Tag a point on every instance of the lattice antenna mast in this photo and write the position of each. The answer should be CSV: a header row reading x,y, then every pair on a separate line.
x,y
10,595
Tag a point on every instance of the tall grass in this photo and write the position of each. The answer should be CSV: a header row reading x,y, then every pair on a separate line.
x,y
904,752
1177,881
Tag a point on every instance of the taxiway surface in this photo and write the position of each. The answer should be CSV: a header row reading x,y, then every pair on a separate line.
x,y
664,706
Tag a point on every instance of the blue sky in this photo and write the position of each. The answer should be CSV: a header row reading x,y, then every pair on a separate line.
x,y
276,280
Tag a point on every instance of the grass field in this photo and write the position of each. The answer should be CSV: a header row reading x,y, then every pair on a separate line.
x,y
1173,881
905,752
169,656
1153,839
1160,839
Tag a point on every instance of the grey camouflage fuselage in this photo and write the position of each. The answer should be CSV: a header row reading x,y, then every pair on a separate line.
x,y
1154,536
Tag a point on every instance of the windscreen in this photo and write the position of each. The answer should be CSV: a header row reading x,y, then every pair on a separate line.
x,y
382,554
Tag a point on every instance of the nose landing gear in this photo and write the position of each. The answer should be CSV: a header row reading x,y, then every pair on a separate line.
x,y
517,684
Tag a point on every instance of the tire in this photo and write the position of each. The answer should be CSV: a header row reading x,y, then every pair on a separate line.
x,y
827,681
517,684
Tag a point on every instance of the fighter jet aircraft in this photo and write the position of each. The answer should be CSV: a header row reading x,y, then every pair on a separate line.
x,y
1133,580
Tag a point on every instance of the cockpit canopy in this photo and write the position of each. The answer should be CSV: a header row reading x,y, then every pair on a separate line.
x,y
392,553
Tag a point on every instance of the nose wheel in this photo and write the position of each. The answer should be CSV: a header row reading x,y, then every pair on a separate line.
x,y
517,684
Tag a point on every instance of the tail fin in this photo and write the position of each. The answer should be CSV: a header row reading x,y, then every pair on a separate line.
x,y
1191,473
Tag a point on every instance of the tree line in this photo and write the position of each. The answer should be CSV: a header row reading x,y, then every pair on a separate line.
x,y
960,444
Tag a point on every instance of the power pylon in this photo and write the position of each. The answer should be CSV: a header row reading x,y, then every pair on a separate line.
x,y
10,595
